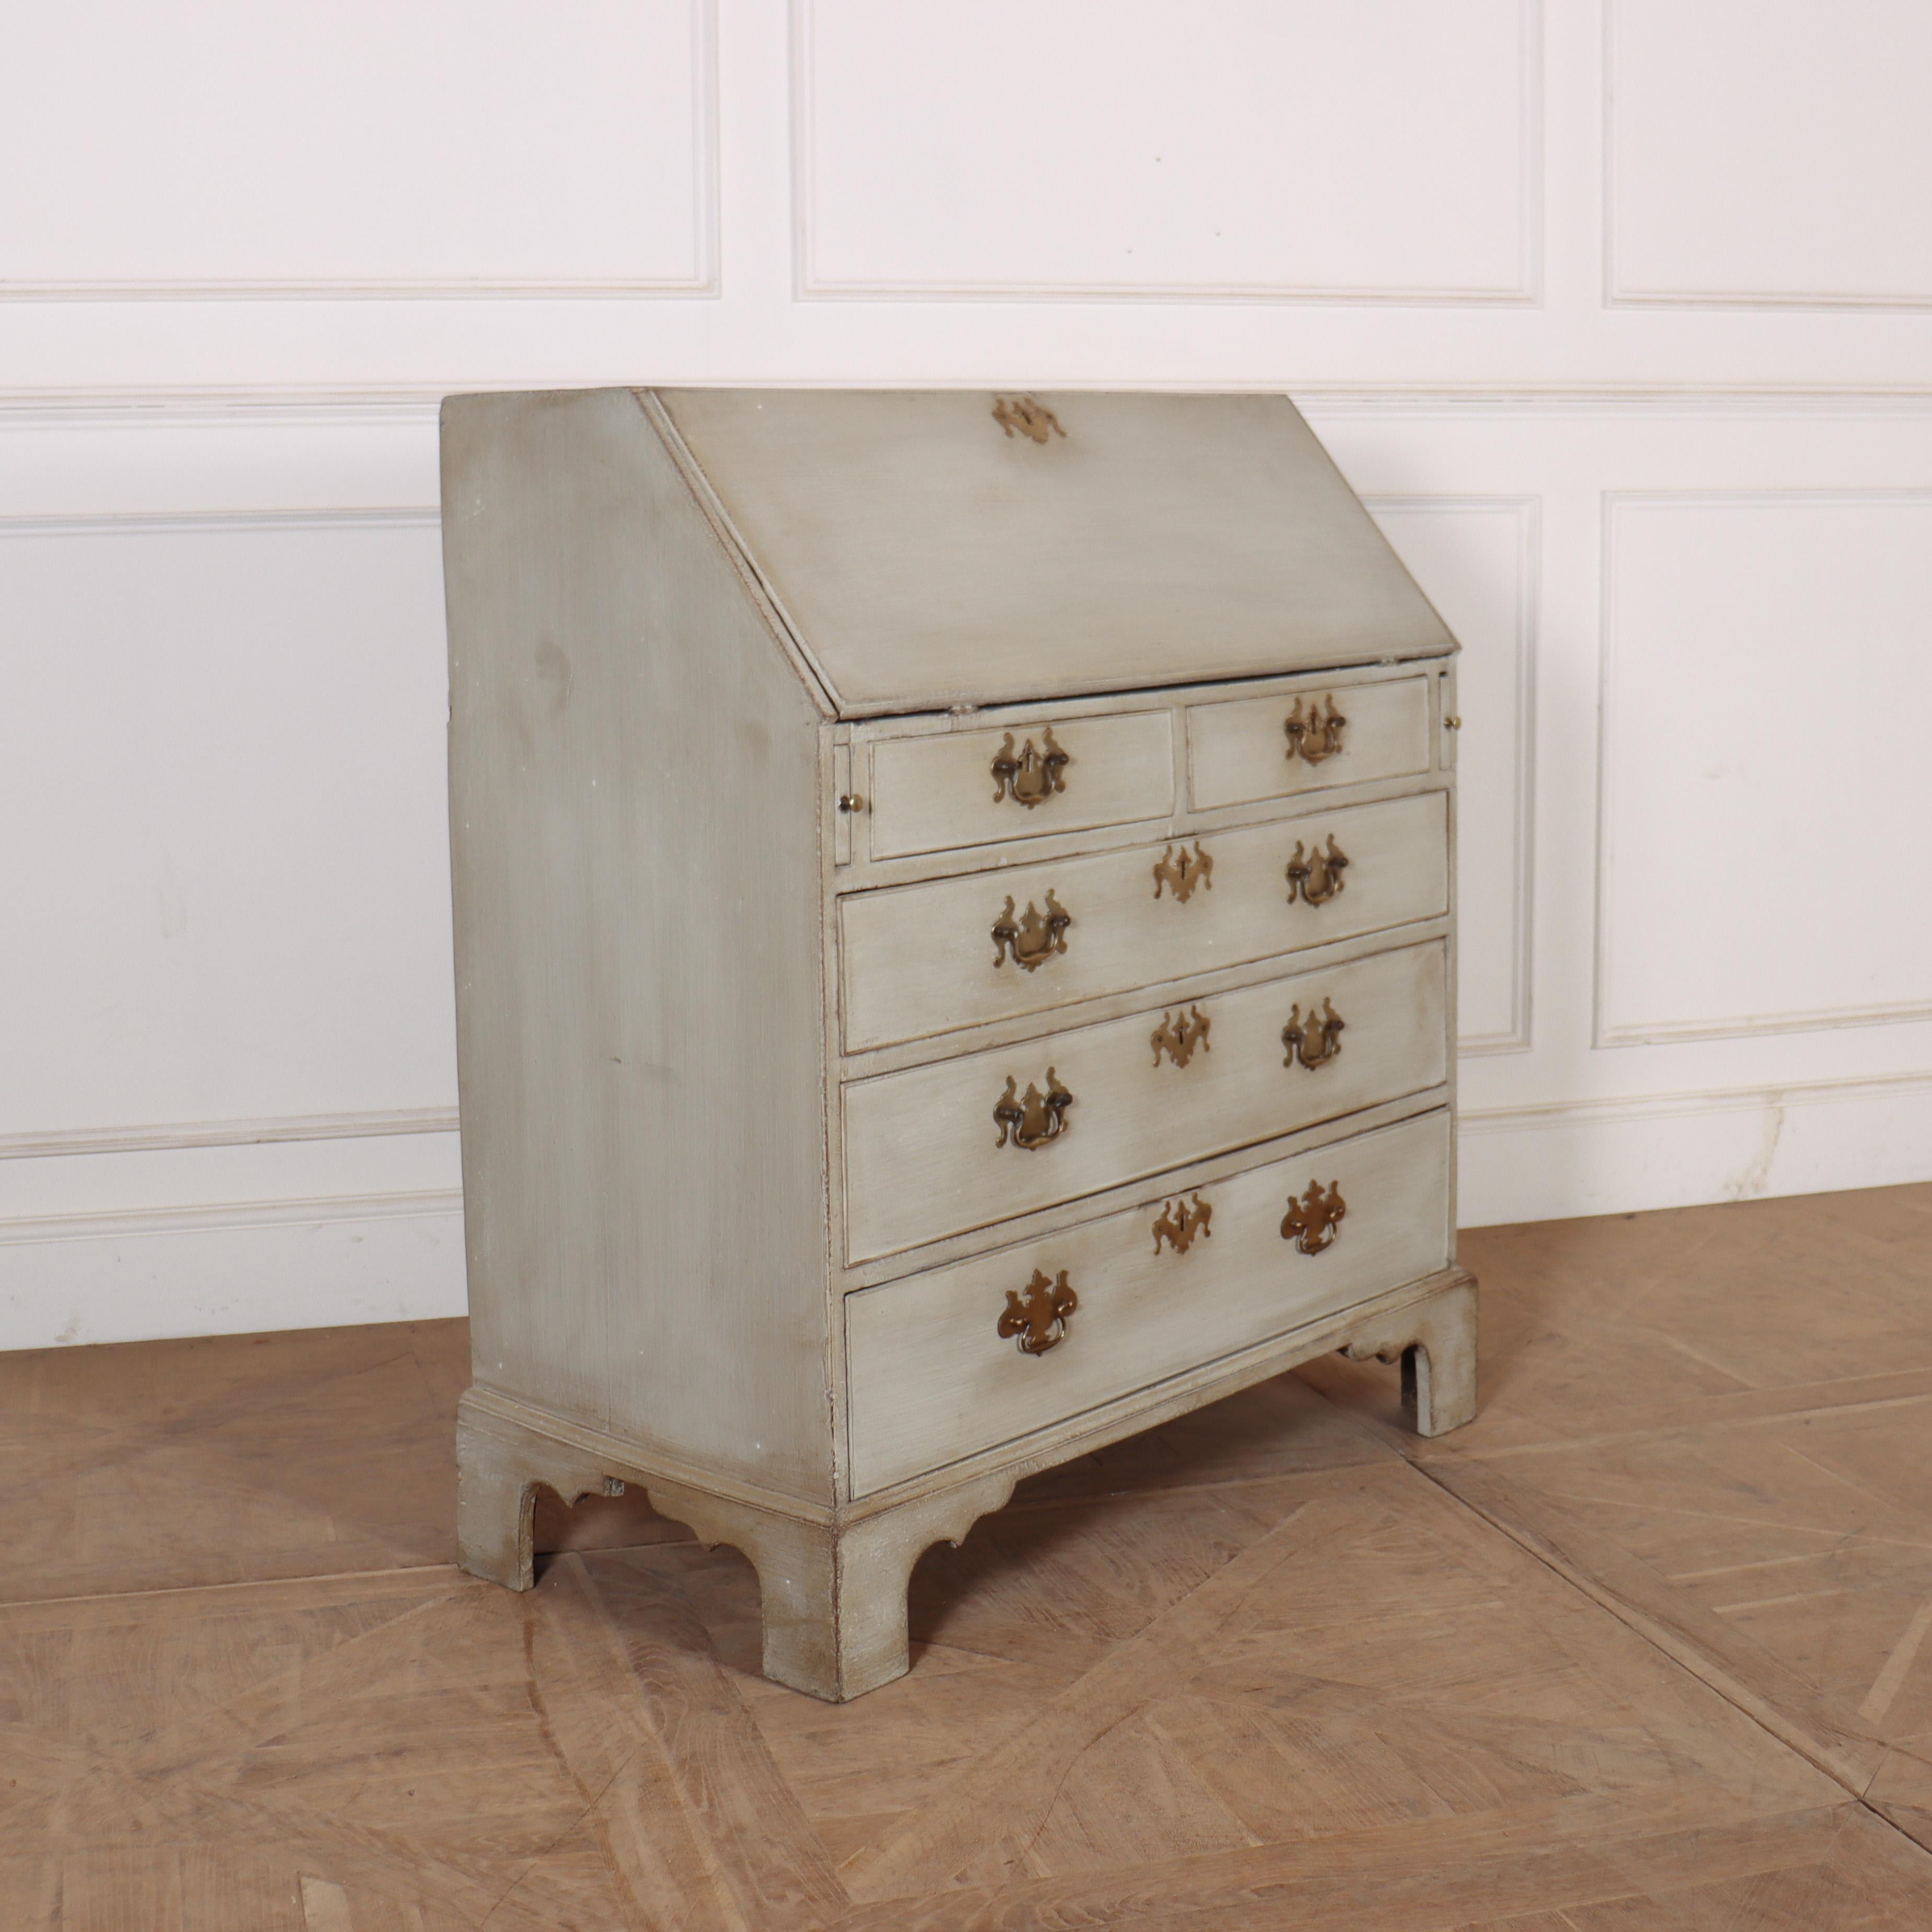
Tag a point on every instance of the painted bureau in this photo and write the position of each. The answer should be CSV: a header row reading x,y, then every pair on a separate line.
x,y
954,957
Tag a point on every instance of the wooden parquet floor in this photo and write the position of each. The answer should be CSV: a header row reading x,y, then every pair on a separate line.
x,y
1647,1648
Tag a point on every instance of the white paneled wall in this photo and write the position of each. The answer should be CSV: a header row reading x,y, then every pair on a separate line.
x,y
1397,144
1620,314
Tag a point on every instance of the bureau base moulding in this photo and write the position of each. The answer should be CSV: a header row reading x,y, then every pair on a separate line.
x,y
833,1582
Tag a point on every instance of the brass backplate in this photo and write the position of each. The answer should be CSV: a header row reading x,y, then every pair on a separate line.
x,y
1037,1315
1314,735
1311,1222
1178,1036
1315,874
1315,1041
1180,872
1032,1119
1180,1221
1026,415
1032,937
1027,776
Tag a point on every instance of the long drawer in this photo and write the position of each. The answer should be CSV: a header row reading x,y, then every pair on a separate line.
x,y
918,960
961,1144
936,1374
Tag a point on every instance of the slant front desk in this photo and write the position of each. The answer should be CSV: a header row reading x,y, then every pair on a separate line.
x,y
955,957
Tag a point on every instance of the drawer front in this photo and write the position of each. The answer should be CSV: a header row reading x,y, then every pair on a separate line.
x,y
934,794
1243,750
932,1379
924,1157
917,961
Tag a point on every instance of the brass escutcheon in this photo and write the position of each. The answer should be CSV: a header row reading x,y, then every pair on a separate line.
x,y
1316,1043
1315,735
1310,1222
1029,777
1180,1222
1037,1314
1034,936
1032,1119
1316,874
1180,872
1026,415
1178,1038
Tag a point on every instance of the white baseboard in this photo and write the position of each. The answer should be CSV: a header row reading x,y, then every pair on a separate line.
x,y
1677,1151
231,1270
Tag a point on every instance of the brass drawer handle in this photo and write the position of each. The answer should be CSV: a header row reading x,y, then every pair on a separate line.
x,y
1034,936
1316,874
1311,1222
1029,777
1027,415
1314,736
1031,1120
1178,1038
1180,1222
1037,1315
1316,1043
1180,872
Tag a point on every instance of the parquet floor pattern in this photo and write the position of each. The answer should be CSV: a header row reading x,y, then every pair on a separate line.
x,y
1647,1648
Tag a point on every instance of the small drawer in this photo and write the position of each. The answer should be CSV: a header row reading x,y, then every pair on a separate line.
x,y
957,788
936,1370
1245,749
917,961
942,1149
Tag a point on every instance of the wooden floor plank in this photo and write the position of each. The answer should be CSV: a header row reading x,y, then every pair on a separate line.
x,y
171,1465
1717,1418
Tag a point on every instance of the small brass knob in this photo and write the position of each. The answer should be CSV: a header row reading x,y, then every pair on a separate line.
x,y
851,801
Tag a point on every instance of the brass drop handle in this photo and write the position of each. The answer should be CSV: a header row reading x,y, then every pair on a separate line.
x,y
1032,937
1037,1315
1311,1222
1030,776
1315,1041
1177,1036
1313,735
1316,875
1181,870
1180,1221
1032,1119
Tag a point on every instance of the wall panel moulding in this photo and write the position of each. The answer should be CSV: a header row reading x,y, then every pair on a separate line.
x,y
1296,153
1766,156
1764,795
455,165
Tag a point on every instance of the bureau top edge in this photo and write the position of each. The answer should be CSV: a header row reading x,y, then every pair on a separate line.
x,y
925,549
972,714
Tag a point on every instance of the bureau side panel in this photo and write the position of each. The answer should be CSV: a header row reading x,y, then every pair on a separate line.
x,y
634,808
